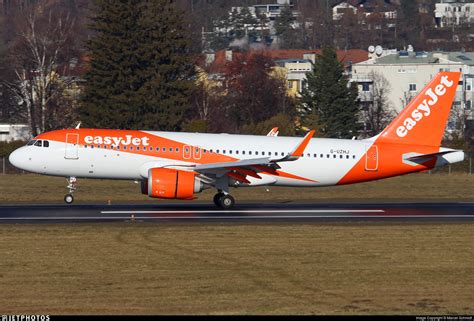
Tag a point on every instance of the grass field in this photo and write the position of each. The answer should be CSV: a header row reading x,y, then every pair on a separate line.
x,y
133,268
320,268
415,187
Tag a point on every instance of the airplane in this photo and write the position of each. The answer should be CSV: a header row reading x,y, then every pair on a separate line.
x,y
178,165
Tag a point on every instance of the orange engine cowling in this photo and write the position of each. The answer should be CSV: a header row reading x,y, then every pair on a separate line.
x,y
172,184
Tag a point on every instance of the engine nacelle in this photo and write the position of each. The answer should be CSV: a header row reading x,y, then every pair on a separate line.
x,y
171,184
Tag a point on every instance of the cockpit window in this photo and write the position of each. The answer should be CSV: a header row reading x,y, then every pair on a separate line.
x,y
39,143
46,143
31,142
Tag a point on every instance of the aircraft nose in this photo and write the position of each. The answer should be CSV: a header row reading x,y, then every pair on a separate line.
x,y
17,158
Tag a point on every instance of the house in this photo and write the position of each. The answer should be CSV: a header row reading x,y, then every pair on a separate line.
x,y
11,132
407,72
451,12
344,7
365,9
293,64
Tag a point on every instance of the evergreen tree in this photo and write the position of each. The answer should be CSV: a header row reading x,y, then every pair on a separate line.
x,y
283,21
328,101
288,37
167,66
140,69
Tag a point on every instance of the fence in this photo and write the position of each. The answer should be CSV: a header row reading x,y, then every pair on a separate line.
x,y
464,167
7,168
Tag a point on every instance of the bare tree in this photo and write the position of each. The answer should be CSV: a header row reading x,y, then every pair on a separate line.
x,y
456,126
379,113
407,98
39,62
206,93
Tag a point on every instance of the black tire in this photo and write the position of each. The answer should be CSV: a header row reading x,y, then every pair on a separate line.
x,y
226,202
68,199
217,198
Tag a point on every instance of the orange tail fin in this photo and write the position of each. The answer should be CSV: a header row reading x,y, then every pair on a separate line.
x,y
424,120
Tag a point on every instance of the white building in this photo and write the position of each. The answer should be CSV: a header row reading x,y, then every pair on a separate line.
x,y
452,12
408,72
365,10
340,9
10,132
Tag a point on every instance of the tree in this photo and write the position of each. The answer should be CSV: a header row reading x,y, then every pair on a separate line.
x,y
141,70
253,93
329,99
39,63
408,24
288,36
378,114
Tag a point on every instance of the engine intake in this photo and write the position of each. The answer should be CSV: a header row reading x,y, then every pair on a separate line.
x,y
172,184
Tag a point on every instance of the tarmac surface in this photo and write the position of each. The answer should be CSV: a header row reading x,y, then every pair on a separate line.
x,y
243,212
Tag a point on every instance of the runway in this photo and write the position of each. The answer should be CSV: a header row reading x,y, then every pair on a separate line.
x,y
246,212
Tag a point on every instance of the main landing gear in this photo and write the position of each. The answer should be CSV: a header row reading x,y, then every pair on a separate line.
x,y
223,200
71,185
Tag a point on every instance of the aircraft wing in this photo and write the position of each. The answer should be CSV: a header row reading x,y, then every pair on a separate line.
x,y
240,169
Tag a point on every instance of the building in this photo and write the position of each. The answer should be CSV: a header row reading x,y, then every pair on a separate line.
x,y
452,12
342,8
294,64
10,132
407,72
365,9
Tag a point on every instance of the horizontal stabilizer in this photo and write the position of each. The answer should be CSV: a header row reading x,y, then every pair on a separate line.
x,y
415,159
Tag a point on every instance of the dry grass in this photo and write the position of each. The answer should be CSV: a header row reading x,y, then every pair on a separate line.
x,y
326,268
437,187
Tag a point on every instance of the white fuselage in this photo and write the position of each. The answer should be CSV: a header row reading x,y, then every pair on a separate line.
x,y
324,163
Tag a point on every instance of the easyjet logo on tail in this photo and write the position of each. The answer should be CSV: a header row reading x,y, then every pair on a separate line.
x,y
128,140
424,109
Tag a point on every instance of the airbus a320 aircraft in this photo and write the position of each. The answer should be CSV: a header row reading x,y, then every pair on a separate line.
x,y
173,165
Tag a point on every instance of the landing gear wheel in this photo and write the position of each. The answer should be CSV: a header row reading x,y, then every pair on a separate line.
x,y
217,198
226,202
68,198
71,186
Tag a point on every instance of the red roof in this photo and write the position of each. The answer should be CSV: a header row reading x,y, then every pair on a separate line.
x,y
353,56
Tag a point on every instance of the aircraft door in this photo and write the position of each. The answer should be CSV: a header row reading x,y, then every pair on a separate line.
x,y
72,146
372,158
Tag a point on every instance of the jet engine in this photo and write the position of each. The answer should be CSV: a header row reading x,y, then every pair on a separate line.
x,y
171,184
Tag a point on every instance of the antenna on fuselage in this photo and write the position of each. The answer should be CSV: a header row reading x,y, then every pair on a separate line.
x,y
78,125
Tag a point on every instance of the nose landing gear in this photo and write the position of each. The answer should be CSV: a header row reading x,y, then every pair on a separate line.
x,y
72,187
